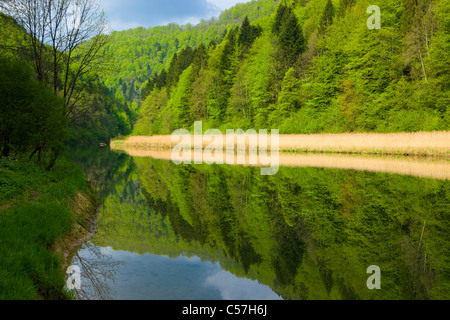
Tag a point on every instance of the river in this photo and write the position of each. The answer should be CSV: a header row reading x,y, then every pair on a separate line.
x,y
222,232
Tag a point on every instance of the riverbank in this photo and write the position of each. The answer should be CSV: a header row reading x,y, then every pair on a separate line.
x,y
43,216
434,144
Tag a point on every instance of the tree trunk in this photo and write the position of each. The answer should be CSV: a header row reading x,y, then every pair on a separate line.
x,y
34,153
6,150
423,65
55,156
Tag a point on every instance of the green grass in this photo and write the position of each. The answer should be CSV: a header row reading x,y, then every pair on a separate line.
x,y
34,214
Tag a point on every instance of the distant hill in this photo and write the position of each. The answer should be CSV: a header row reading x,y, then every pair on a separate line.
x,y
140,53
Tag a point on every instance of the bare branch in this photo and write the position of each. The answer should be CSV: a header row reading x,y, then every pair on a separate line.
x,y
66,38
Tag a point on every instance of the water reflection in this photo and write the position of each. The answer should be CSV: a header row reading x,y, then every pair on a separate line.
x,y
98,270
154,277
305,233
232,288
426,167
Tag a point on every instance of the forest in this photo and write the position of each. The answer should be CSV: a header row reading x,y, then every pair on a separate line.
x,y
300,66
296,65
49,98
310,67
143,56
44,106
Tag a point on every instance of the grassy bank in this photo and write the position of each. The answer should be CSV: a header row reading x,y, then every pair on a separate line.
x,y
42,214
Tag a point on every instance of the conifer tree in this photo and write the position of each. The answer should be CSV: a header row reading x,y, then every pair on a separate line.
x,y
200,59
161,80
248,34
409,11
228,62
174,71
292,41
344,5
283,12
245,36
149,88
288,99
327,17
179,63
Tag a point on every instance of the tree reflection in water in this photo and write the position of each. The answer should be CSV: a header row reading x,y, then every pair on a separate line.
x,y
97,271
307,233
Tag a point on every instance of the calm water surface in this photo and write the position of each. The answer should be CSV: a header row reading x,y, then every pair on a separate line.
x,y
202,232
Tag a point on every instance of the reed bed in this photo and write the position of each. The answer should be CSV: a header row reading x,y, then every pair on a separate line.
x,y
416,144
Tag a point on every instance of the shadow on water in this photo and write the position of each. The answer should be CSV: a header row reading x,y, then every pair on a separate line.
x,y
226,232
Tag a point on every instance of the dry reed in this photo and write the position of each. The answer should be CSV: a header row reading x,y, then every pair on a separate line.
x,y
417,144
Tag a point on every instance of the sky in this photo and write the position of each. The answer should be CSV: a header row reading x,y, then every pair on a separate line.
x,y
126,14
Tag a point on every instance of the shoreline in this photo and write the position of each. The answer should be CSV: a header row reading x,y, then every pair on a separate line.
x,y
419,144
47,212
85,208
424,167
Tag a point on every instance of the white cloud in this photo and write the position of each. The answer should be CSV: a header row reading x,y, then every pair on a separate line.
x,y
233,288
126,14
225,4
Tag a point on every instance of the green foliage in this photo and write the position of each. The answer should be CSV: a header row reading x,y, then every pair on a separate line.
x,y
179,104
38,118
32,117
344,5
310,70
291,40
179,63
327,17
282,15
141,54
34,214
288,100
308,233
248,34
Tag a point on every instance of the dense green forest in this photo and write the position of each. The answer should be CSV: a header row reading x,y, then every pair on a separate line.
x,y
42,110
308,233
300,66
142,56
309,67
47,98
113,97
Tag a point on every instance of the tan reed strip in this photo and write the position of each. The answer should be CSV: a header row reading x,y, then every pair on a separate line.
x,y
419,144
420,167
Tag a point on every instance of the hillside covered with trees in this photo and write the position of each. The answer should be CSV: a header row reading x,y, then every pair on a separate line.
x,y
297,65
300,66
310,67
143,55
42,109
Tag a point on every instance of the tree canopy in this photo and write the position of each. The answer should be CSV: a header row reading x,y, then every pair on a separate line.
x,y
314,67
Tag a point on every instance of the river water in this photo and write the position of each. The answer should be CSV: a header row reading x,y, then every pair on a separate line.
x,y
223,232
